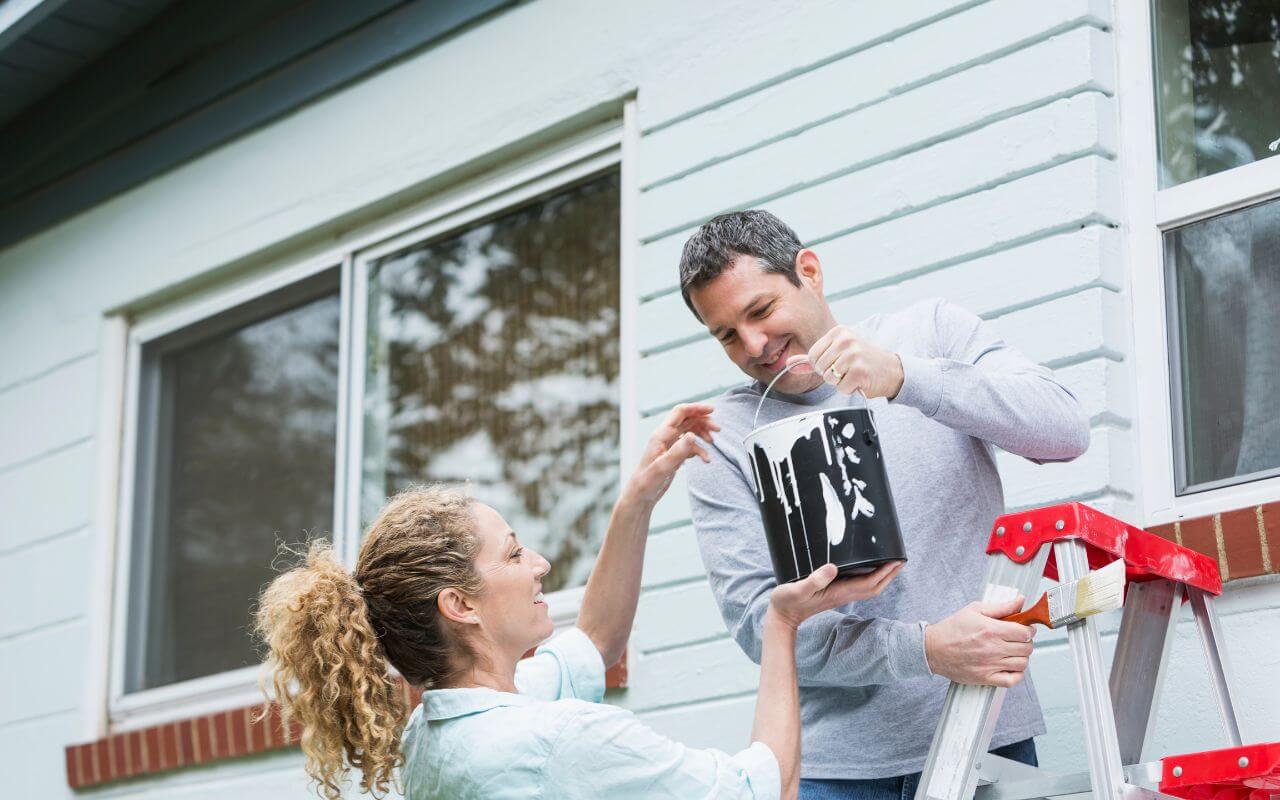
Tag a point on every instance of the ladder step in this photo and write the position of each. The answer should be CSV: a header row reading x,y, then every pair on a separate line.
x,y
1248,772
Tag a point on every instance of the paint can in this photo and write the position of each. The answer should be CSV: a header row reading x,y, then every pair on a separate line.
x,y
824,493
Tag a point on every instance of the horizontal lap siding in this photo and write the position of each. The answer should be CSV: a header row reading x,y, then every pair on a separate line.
x,y
972,157
47,421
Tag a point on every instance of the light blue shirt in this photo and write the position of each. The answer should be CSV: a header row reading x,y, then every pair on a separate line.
x,y
555,739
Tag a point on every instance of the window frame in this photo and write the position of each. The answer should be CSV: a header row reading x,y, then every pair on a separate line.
x,y
604,147
1150,212
235,687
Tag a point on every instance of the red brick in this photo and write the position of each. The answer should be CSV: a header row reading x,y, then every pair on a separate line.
x,y
84,757
92,771
106,770
1164,531
257,730
1242,543
186,743
78,759
72,766
1198,535
271,725
204,728
154,753
137,753
238,738
221,736
169,746
1271,526
119,758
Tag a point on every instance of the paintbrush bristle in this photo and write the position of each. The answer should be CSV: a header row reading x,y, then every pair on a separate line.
x,y
1101,590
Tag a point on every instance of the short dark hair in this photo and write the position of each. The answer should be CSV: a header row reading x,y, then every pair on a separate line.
x,y
756,233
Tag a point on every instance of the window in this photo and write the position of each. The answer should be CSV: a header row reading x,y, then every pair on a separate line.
x,y
494,358
1224,290
237,425
1217,85
1198,82
475,337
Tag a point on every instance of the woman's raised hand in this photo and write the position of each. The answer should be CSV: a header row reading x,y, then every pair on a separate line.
x,y
793,603
674,442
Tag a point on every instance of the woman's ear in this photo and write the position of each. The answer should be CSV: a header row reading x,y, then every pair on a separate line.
x,y
457,607
809,268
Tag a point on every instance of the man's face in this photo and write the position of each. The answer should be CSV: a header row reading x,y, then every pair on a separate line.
x,y
762,319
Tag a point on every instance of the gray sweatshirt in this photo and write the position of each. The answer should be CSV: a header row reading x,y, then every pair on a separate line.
x,y
868,701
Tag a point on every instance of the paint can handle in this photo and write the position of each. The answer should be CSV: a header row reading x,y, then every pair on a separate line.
x,y
755,421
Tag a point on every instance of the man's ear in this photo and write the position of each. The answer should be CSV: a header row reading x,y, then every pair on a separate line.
x,y
456,607
809,269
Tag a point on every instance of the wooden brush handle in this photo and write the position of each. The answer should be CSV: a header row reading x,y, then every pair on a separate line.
x,y
1037,613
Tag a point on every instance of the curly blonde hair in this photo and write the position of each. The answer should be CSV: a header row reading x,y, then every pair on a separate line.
x,y
331,634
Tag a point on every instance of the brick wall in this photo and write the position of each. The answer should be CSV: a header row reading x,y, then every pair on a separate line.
x,y
1245,542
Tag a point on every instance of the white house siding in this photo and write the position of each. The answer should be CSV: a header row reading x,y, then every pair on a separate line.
x,y
965,149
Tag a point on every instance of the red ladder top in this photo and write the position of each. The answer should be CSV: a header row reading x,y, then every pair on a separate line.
x,y
1149,557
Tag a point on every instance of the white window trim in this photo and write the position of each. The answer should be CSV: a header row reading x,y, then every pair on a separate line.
x,y
608,145
1149,211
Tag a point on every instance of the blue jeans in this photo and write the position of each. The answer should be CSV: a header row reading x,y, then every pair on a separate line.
x,y
903,787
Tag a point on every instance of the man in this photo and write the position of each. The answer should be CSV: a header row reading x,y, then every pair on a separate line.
x,y
945,391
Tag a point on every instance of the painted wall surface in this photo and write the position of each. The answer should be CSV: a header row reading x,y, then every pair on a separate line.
x,y
958,148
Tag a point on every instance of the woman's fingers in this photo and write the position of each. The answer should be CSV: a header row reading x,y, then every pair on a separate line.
x,y
684,448
820,578
684,418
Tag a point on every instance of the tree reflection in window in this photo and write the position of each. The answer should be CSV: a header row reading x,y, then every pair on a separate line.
x,y
493,358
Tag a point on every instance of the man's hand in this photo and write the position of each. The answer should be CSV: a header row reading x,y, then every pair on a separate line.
x,y
850,363
974,646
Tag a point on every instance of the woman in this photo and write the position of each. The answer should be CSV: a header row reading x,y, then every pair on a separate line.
x,y
444,592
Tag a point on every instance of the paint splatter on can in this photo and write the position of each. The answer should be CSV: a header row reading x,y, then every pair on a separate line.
x,y
824,493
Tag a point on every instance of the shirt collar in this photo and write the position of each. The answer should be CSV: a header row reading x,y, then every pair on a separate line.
x,y
813,397
449,703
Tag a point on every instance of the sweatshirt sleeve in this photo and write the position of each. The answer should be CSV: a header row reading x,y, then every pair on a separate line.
x,y
834,648
977,384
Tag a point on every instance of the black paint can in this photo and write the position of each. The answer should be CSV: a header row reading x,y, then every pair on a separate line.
x,y
824,493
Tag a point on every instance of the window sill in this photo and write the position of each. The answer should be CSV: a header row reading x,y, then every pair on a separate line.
x,y
205,739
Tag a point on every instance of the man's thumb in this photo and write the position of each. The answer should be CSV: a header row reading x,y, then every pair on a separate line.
x,y
997,609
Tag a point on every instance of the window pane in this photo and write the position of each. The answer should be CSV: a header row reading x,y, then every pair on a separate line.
x,y
237,452
1217,83
493,358
1226,346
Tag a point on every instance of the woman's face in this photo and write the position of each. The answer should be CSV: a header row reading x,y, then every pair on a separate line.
x,y
512,613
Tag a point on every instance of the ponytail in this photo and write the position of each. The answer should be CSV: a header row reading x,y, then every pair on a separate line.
x,y
329,673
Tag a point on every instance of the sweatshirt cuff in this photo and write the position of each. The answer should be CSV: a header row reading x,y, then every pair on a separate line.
x,y
906,651
922,381
762,770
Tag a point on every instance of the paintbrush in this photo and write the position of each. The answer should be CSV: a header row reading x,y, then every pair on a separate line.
x,y
1101,590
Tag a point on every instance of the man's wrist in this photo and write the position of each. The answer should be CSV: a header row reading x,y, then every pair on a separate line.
x,y
929,643
900,377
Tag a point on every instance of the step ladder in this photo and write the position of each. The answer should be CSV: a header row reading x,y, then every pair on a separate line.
x,y
1064,542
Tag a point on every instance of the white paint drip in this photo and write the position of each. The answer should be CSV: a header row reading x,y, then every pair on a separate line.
x,y
861,505
835,512
847,430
